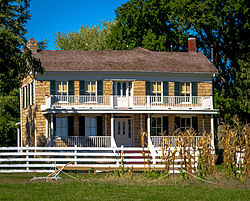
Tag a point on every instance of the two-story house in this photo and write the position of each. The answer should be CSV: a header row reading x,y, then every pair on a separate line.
x,y
104,98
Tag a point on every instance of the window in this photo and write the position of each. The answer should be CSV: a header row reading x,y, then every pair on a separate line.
x,y
156,92
124,128
156,126
91,91
25,96
186,91
31,93
62,127
185,124
90,126
61,88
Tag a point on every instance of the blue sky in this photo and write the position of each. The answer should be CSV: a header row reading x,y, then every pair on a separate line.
x,y
52,16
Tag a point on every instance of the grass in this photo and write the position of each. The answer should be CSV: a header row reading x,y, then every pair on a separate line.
x,y
110,187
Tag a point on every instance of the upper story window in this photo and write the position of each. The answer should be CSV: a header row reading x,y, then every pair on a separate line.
x,y
185,89
25,97
91,88
157,88
31,93
61,87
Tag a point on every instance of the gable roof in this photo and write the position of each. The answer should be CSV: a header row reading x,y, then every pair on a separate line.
x,y
138,59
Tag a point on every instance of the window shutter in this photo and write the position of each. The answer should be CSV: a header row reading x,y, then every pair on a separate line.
x,y
100,87
148,88
194,92
70,126
165,91
146,124
71,89
177,92
81,126
82,87
52,87
165,125
195,124
99,125
54,124
177,122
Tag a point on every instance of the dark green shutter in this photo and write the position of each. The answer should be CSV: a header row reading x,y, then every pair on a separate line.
x,y
148,88
100,91
146,124
81,126
165,92
52,87
194,92
195,124
82,87
177,122
71,89
99,126
165,125
54,124
81,90
177,92
100,87
70,126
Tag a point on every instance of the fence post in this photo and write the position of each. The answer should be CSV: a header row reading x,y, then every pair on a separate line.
x,y
27,158
75,154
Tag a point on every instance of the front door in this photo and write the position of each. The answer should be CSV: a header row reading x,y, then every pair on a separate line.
x,y
123,131
122,91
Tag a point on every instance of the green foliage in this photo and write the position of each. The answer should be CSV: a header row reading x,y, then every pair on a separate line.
x,y
15,64
88,38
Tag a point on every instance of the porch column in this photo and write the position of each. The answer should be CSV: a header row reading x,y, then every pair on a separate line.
x,y
112,131
47,128
212,130
148,129
51,130
18,137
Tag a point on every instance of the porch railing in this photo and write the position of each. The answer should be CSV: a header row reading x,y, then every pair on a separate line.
x,y
82,141
147,102
171,140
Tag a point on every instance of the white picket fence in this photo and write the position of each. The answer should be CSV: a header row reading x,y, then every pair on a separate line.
x,y
47,159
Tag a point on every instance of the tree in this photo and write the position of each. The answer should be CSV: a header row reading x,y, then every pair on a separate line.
x,y
16,61
94,38
223,25
147,24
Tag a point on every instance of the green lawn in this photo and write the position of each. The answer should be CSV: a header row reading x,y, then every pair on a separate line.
x,y
104,187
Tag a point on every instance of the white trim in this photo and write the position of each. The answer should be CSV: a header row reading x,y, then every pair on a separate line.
x,y
212,130
25,96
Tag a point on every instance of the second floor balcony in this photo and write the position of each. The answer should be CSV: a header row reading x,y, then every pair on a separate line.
x,y
128,102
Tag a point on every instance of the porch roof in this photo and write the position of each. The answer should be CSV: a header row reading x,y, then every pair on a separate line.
x,y
138,59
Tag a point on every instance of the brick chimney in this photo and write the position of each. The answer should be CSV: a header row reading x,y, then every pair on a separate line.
x,y
192,44
32,45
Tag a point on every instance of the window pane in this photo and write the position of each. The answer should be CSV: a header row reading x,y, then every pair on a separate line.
x,y
119,128
118,89
124,87
182,122
188,88
153,131
64,132
154,87
87,131
93,122
159,87
158,131
93,131
153,122
159,122
123,130
87,121
188,122
93,87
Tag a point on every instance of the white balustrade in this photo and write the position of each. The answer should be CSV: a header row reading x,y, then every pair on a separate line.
x,y
82,141
171,140
169,102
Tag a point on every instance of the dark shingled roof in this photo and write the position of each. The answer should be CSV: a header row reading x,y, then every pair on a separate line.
x,y
138,59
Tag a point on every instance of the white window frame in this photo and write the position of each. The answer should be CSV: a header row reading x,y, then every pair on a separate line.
x,y
91,126
128,85
31,93
61,97
61,126
187,99
25,96
92,96
156,127
157,97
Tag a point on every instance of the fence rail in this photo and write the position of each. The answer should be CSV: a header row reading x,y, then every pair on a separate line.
x,y
47,159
